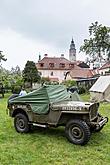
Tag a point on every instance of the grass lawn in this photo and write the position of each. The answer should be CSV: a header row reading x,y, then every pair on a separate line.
x,y
50,146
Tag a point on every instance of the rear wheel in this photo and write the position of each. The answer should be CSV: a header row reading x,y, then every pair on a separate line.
x,y
21,123
77,132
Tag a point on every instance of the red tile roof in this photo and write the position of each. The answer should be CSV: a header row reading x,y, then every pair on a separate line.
x,y
81,73
55,63
106,65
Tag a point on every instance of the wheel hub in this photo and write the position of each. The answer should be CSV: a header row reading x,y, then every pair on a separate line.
x,y
76,132
20,123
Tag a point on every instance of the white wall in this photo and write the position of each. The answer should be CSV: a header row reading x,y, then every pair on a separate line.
x,y
60,74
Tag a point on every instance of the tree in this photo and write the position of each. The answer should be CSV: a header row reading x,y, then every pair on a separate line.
x,y
16,71
2,57
16,76
30,73
70,83
98,43
11,79
45,80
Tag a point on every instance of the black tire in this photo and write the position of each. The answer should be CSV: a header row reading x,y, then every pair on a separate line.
x,y
21,123
77,132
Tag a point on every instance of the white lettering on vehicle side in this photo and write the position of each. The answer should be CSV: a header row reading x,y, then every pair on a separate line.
x,y
71,108
21,106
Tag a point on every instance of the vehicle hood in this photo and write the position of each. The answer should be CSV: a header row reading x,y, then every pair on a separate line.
x,y
72,105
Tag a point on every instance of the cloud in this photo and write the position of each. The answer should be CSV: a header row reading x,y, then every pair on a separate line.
x,y
51,23
18,50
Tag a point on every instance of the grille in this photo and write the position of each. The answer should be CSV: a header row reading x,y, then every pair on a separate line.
x,y
93,111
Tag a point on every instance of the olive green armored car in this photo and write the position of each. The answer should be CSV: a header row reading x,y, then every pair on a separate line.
x,y
53,106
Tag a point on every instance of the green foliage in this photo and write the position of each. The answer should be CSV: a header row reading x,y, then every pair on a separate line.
x,y
2,90
2,57
45,80
11,78
30,73
16,71
82,89
19,81
49,146
70,83
16,89
98,43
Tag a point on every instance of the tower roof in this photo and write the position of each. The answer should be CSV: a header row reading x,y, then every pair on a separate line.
x,y
72,45
72,41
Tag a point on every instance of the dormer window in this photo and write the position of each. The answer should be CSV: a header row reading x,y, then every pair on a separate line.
x,y
51,65
62,65
41,64
71,65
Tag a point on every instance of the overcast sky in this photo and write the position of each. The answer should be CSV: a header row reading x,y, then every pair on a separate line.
x,y
30,27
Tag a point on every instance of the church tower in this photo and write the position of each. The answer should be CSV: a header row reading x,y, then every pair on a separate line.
x,y
72,51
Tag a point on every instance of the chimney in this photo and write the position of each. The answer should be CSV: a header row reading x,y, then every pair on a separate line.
x,y
62,55
45,55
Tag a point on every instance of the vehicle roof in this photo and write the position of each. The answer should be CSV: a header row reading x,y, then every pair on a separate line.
x,y
41,98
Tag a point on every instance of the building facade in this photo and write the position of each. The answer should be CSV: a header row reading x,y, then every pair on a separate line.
x,y
54,68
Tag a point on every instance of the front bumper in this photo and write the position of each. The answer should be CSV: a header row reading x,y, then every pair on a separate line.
x,y
101,122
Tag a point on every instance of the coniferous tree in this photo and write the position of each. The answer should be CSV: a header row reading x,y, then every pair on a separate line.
x,y
30,73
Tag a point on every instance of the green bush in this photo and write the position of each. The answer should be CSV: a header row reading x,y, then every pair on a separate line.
x,y
16,89
70,83
82,90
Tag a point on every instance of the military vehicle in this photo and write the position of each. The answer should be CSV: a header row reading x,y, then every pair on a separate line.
x,y
53,106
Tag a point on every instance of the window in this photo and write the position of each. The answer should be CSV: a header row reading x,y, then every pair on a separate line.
x,y
40,73
51,64
51,74
41,64
71,65
62,65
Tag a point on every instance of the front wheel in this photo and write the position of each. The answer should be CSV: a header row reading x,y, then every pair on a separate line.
x,y
21,123
77,132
